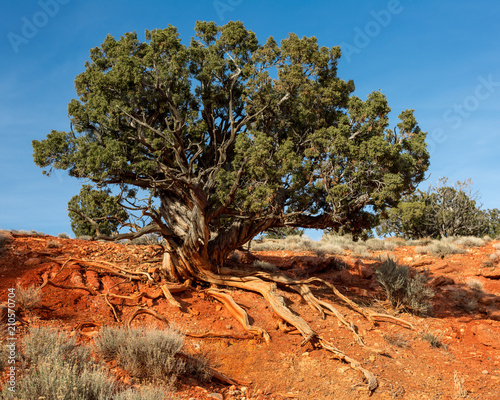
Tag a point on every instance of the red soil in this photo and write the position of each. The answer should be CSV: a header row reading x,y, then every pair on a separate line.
x,y
467,321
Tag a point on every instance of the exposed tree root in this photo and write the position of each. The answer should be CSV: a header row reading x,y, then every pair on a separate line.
x,y
265,284
239,313
260,282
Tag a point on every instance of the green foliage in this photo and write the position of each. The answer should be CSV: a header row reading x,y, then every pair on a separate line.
x,y
97,205
441,211
234,137
405,288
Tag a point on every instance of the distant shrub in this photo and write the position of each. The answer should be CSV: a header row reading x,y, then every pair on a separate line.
x,y
151,239
63,236
497,246
469,241
405,289
84,237
265,266
434,340
475,285
419,242
439,249
28,298
145,393
53,244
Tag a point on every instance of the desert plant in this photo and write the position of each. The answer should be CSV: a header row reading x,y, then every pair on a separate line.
x,y
469,241
148,354
405,289
27,298
265,266
434,339
496,246
396,339
55,367
475,285
439,249
58,368
63,236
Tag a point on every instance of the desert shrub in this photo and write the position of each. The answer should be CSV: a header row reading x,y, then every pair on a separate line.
x,y
475,285
59,369
497,246
469,241
265,266
148,354
53,244
435,340
27,298
84,237
54,367
405,289
439,249
4,352
396,339
419,242
329,248
63,236
145,393
147,240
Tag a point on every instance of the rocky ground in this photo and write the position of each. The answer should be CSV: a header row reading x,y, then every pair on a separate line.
x,y
452,353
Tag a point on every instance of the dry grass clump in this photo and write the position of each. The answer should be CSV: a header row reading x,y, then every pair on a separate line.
x,y
460,390
434,339
63,235
405,289
439,249
469,241
290,243
475,285
419,242
264,266
28,298
148,354
496,246
381,245
58,368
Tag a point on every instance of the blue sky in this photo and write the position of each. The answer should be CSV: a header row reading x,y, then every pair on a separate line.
x,y
440,58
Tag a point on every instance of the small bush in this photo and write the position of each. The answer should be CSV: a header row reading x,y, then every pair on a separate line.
x,y
439,249
405,288
396,340
380,245
434,340
419,242
58,368
28,298
469,241
4,353
475,285
53,244
148,354
265,266
84,237
497,246
63,236
145,393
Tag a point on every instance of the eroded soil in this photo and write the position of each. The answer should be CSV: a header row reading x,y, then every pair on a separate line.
x,y
465,320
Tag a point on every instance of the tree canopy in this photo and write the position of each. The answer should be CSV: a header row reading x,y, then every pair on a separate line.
x,y
442,211
233,137
95,212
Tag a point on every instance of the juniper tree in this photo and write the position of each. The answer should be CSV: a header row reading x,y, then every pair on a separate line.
x,y
231,137
95,212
